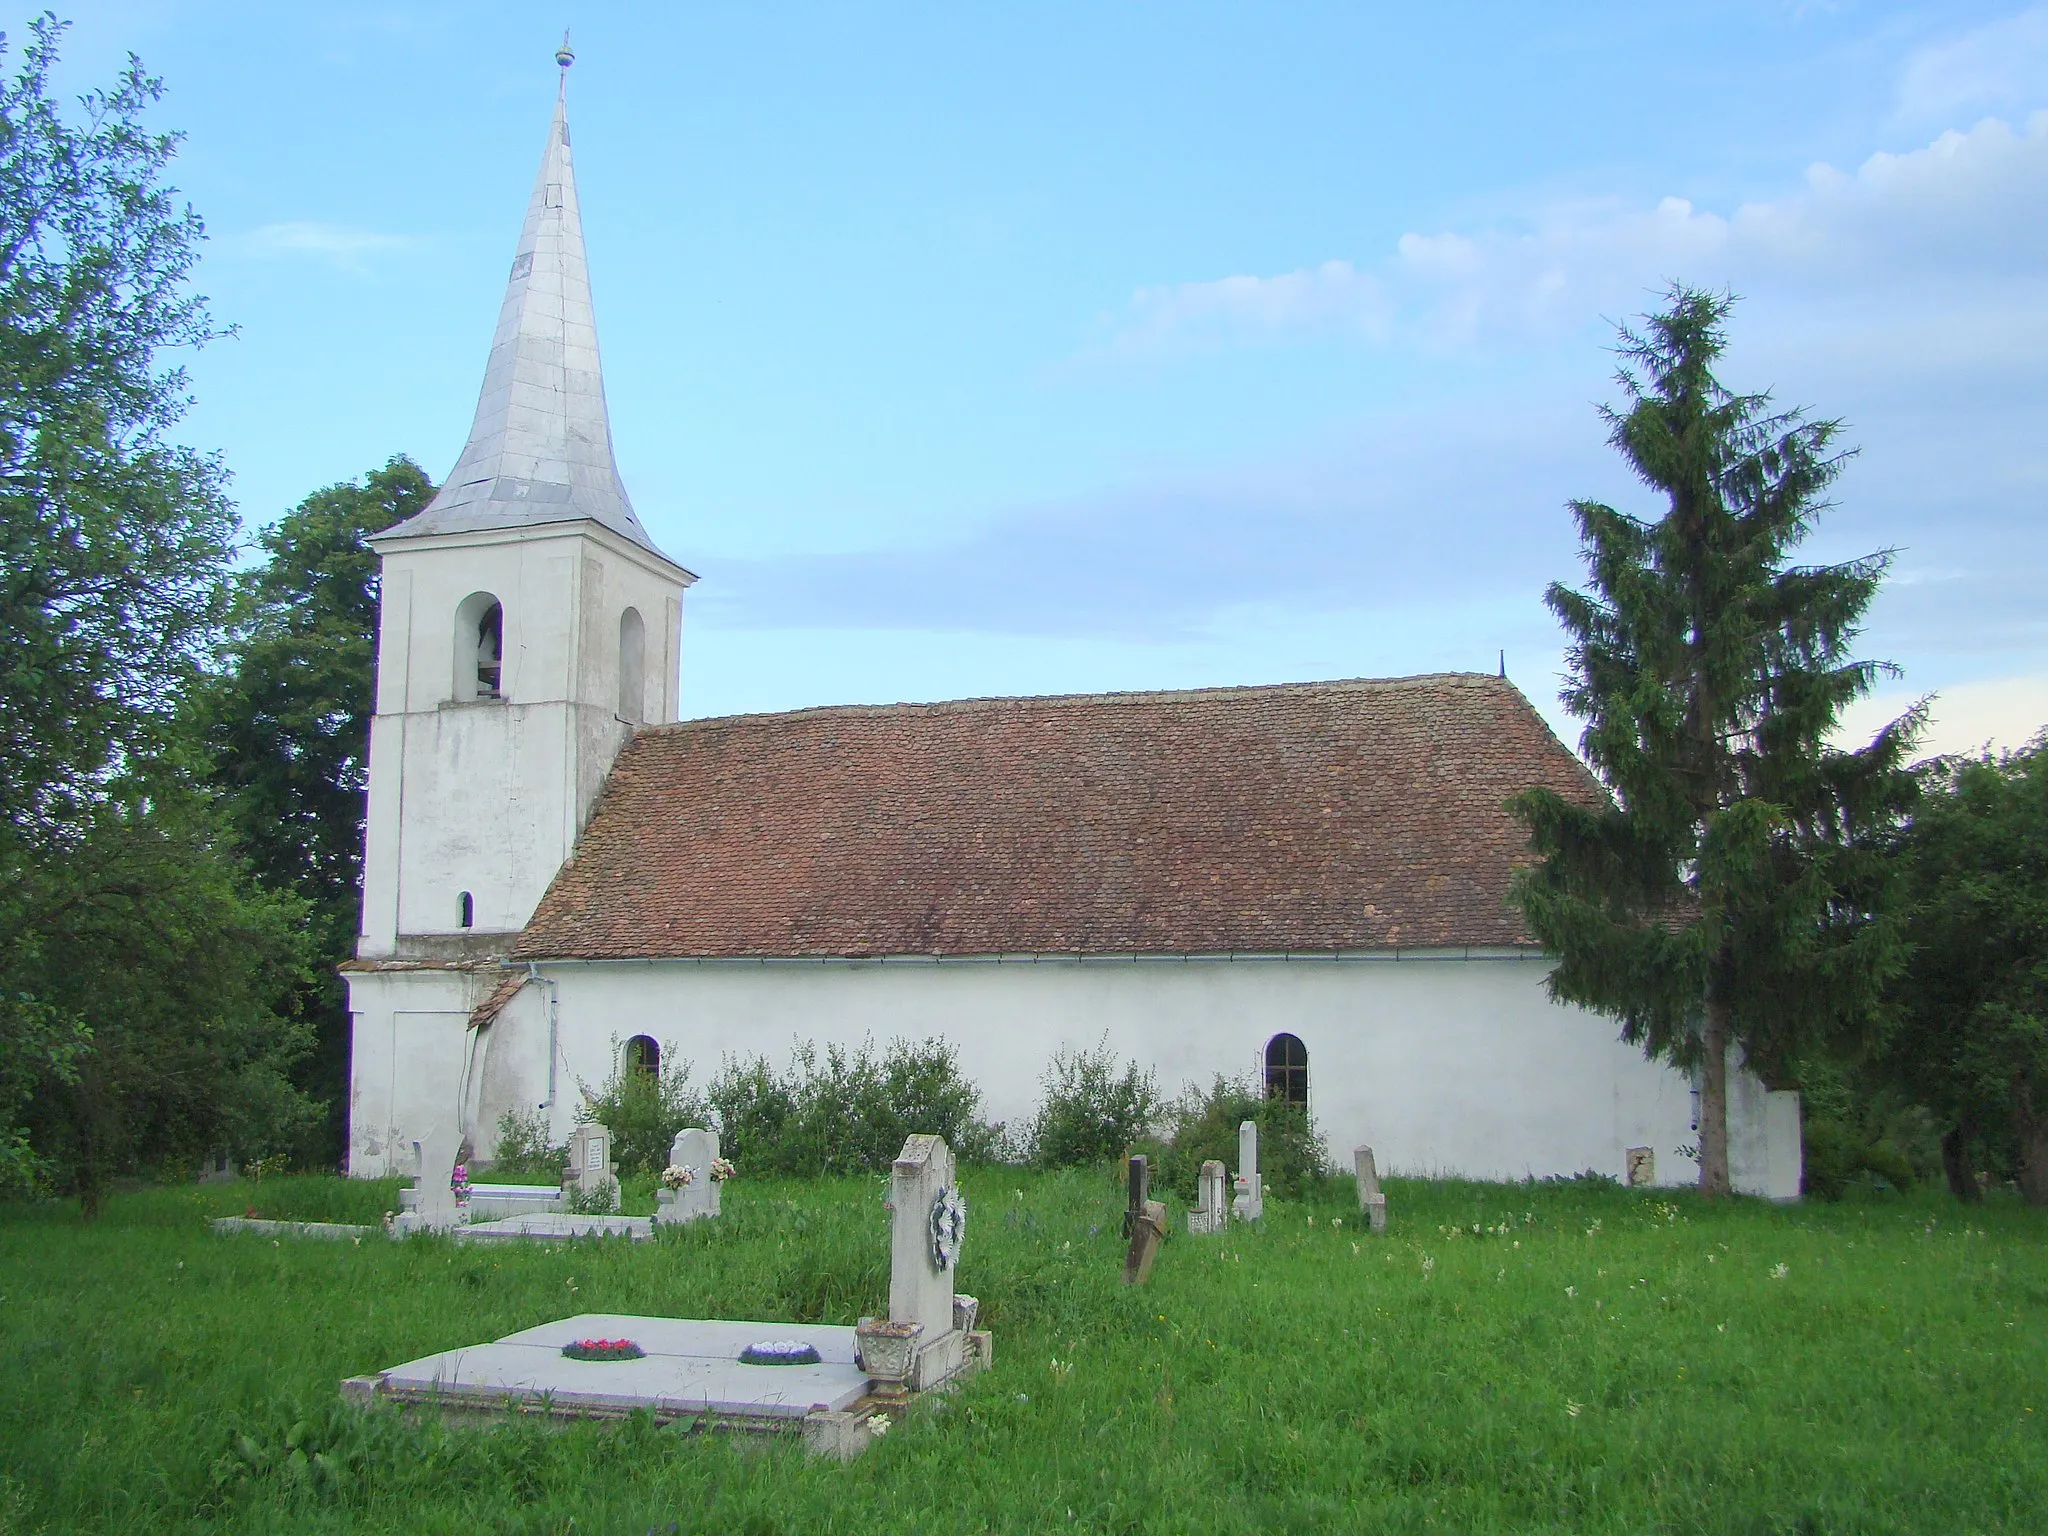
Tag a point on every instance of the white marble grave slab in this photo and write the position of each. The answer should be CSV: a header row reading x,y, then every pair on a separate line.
x,y
557,1225
690,1367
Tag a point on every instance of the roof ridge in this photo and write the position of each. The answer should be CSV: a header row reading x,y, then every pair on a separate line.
x,y
1130,696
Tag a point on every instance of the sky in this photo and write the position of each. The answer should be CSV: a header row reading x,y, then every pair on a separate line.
x,y
969,350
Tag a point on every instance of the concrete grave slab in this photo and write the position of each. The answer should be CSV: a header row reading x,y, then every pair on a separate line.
x,y
690,1368
556,1226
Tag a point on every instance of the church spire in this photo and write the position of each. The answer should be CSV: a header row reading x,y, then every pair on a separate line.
x,y
540,448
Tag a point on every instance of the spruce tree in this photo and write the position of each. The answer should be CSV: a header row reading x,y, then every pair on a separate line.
x,y
1730,894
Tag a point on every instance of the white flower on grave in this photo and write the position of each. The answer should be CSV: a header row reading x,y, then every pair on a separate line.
x,y
948,1223
678,1176
878,1426
721,1170
1780,1271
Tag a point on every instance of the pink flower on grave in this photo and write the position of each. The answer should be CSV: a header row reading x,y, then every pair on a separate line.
x,y
458,1182
678,1176
721,1170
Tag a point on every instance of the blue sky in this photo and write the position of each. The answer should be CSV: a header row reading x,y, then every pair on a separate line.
x,y
1074,347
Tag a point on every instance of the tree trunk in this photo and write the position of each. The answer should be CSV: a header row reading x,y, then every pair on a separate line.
x,y
1955,1162
1714,1098
2032,1131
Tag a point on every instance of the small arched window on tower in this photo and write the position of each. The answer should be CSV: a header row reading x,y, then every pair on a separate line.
x,y
632,666
468,910
479,647
643,1055
1287,1070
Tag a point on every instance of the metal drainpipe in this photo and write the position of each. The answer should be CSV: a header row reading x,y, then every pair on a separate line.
x,y
534,976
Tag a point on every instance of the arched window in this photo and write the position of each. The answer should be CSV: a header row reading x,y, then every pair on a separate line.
x,y
643,1055
632,666
468,910
479,647
1287,1070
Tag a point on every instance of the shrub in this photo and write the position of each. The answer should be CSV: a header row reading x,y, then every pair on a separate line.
x,y
1203,1125
847,1112
1091,1113
644,1110
523,1150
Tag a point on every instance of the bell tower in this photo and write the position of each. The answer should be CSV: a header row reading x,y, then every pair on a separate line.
x,y
528,622
528,625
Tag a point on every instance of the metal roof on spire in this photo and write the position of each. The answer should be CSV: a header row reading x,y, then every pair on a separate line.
x,y
540,449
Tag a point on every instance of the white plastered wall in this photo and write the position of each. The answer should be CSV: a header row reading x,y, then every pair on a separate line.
x,y
409,1058
487,795
1446,1066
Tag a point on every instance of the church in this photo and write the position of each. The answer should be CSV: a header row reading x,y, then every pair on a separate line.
x,y
1303,884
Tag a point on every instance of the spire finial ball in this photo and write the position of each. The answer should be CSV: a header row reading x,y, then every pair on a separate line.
x,y
565,55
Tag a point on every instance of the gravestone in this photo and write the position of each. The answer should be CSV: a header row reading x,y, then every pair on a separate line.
x,y
1146,1234
433,1207
927,1224
590,1167
1140,1186
1250,1201
1370,1200
1212,1210
697,1150
1641,1165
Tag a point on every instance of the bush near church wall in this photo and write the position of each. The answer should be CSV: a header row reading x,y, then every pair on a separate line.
x,y
1092,1112
1203,1125
847,1112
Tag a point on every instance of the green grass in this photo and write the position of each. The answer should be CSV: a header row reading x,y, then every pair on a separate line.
x,y
1590,1360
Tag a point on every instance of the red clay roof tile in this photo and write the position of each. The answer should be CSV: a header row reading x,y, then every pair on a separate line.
x,y
1303,817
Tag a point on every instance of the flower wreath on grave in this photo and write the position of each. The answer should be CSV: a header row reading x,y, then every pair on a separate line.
x,y
679,1176
721,1170
603,1349
779,1352
948,1226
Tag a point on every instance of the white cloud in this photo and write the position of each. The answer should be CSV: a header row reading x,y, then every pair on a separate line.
x,y
338,245
2003,713
1959,226
1999,67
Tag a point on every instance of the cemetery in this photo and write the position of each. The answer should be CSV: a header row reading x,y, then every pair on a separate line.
x,y
1564,1355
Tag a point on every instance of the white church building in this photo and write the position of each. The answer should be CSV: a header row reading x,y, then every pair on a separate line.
x,y
1303,883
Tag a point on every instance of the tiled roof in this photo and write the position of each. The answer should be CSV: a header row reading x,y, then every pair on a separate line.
x,y
1306,817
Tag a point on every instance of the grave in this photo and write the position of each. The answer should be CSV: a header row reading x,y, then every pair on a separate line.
x,y
1211,1214
590,1176
694,1153
493,1202
1138,1177
1370,1200
832,1384
1249,1204
433,1206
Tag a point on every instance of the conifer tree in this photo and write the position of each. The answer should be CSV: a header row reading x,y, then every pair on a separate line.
x,y
1730,894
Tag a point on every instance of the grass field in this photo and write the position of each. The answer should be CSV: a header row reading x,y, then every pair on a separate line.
x,y
1588,1359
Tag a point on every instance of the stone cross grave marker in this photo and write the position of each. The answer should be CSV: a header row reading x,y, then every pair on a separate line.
x,y
1140,1175
927,1220
1370,1200
589,1165
1212,1209
434,1208
1250,1202
697,1150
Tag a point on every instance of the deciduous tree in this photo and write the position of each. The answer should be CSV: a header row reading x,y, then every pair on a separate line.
x,y
287,724
1967,1028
